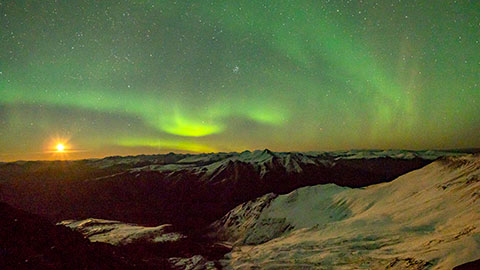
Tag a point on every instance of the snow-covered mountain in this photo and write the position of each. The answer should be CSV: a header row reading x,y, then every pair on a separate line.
x,y
213,167
118,233
209,164
425,219
308,210
150,240
261,156
187,190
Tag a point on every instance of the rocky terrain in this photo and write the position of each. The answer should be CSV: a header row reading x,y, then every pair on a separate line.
x,y
31,242
425,219
188,191
249,210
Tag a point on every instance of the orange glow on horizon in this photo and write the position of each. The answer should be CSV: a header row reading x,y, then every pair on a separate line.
x,y
60,147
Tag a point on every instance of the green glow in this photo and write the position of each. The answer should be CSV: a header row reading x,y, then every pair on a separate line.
x,y
284,75
186,127
166,145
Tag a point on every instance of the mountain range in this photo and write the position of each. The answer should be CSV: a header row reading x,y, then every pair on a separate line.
x,y
314,210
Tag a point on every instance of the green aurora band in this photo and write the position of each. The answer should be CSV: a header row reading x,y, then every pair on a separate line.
x,y
158,76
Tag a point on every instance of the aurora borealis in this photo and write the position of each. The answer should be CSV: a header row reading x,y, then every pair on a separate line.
x,y
132,77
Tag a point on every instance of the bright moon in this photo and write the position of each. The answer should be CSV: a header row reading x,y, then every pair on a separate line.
x,y
60,147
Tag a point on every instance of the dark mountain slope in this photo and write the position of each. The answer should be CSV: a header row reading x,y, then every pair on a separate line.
x,y
474,265
30,242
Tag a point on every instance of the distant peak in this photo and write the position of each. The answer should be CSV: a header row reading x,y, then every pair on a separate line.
x,y
267,151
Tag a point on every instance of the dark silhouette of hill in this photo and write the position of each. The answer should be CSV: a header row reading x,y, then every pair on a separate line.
x,y
31,242
474,265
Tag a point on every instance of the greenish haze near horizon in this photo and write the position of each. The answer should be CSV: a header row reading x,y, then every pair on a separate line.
x,y
131,77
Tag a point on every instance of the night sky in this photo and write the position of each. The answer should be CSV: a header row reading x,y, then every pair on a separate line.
x,y
131,77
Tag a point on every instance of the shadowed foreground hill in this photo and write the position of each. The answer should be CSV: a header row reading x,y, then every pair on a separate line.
x,y
474,265
31,242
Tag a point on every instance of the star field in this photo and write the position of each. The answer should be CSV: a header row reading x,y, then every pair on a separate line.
x,y
131,77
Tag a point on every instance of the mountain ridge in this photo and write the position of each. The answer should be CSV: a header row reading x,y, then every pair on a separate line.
x,y
154,189
424,219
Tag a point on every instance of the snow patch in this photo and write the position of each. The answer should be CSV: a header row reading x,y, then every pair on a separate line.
x,y
118,233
